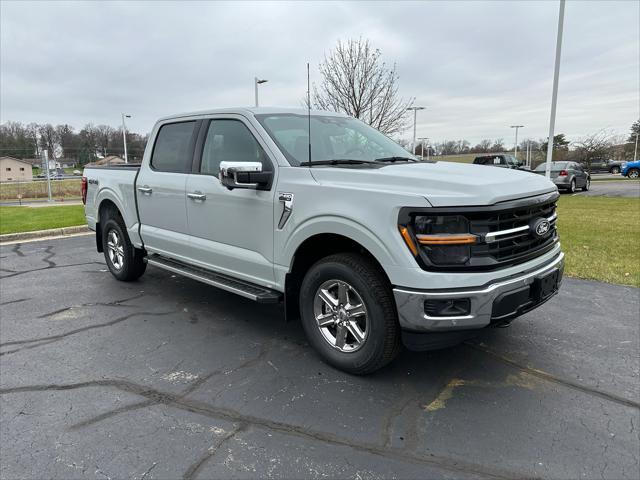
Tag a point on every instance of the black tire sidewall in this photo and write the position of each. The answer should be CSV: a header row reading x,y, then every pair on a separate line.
x,y
373,347
572,186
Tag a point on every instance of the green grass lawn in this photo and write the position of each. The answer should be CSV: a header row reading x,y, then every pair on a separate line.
x,y
28,219
600,237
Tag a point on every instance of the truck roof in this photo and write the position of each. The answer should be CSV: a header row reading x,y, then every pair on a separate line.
x,y
254,111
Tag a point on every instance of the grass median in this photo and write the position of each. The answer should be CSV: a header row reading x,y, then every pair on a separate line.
x,y
599,237
29,219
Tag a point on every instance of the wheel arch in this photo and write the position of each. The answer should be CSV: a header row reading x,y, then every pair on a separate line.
x,y
310,251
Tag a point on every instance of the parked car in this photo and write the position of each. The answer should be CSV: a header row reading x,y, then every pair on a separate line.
x,y
602,165
631,169
370,247
499,160
567,176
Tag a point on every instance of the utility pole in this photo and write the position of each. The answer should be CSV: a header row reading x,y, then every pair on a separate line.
x,y
124,137
515,149
635,151
256,82
415,117
554,95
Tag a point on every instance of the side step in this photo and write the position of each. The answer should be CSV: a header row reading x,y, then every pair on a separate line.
x,y
245,289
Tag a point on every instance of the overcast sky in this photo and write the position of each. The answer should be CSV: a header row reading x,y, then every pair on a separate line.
x,y
478,66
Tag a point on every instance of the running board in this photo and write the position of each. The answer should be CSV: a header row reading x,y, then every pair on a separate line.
x,y
245,289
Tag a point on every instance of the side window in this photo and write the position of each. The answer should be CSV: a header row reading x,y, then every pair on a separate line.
x,y
231,141
171,152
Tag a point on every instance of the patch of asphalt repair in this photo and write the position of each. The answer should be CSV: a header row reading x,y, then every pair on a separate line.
x,y
167,378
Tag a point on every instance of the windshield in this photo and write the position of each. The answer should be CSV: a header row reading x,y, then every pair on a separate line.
x,y
332,138
554,166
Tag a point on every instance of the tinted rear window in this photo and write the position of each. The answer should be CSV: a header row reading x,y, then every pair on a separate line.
x,y
488,160
172,150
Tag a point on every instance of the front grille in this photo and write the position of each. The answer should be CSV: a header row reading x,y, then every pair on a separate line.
x,y
511,247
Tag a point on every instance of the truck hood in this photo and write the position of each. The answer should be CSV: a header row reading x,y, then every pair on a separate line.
x,y
443,184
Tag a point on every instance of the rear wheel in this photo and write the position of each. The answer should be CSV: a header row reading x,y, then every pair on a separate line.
x,y
125,262
572,186
633,173
348,313
587,184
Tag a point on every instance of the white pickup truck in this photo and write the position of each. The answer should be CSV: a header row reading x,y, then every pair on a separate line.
x,y
368,246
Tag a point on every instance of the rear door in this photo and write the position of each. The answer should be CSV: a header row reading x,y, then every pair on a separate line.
x,y
231,230
161,190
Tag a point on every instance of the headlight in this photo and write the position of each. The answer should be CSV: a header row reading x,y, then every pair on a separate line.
x,y
443,239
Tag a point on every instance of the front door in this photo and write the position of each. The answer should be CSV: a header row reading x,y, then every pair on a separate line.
x,y
160,190
231,230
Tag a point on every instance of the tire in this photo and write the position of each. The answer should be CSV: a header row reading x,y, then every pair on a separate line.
x,y
125,262
572,187
614,170
357,301
587,184
633,173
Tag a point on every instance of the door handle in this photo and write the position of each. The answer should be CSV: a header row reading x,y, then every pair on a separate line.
x,y
145,190
197,196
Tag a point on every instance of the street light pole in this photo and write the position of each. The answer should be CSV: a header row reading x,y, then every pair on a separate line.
x,y
554,96
422,142
515,149
256,82
415,116
635,151
124,137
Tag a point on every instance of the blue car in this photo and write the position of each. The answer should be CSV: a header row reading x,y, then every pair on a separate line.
x,y
631,169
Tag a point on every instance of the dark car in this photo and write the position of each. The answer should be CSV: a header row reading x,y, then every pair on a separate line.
x,y
603,165
567,176
497,160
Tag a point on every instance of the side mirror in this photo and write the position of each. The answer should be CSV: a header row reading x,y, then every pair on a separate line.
x,y
244,175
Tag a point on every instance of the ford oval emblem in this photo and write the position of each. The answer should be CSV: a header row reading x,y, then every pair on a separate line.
x,y
541,227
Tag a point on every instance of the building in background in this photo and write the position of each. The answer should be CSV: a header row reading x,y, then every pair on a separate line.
x,y
14,170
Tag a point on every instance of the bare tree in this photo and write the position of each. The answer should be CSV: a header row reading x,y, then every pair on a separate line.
x,y
357,82
596,145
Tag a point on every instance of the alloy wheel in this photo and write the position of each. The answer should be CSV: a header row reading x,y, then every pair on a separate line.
x,y
341,315
116,249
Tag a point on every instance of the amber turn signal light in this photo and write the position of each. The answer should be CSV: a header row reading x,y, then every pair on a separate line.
x,y
408,240
452,239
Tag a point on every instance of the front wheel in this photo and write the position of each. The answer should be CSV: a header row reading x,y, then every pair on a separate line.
x,y
125,262
633,173
587,184
348,313
615,170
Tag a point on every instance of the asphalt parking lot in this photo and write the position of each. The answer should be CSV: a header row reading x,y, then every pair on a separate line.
x,y
169,378
611,188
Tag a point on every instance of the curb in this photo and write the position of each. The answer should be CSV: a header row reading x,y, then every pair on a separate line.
x,y
53,232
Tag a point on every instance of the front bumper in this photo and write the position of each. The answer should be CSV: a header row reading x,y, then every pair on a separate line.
x,y
496,302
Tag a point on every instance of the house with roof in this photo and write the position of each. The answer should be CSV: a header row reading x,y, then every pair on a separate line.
x,y
15,170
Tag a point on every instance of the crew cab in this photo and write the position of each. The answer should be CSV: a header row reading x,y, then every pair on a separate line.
x,y
369,247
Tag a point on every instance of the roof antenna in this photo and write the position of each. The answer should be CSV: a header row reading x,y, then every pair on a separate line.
x,y
309,111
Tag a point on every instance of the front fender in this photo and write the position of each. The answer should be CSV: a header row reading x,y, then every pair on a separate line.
x,y
372,241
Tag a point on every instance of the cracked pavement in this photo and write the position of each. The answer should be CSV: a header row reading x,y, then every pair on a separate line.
x,y
169,378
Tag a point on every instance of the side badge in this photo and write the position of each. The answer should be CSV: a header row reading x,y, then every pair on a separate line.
x,y
287,201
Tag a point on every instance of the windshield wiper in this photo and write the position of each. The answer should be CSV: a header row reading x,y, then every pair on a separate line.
x,y
338,161
396,159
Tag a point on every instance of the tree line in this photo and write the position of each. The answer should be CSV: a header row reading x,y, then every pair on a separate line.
x,y
63,142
